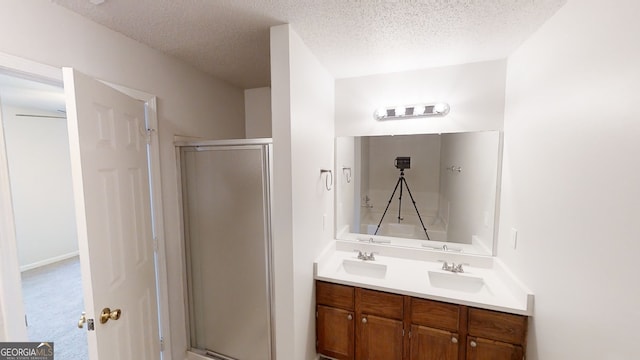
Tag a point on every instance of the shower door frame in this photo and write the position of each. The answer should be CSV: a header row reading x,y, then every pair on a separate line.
x,y
267,147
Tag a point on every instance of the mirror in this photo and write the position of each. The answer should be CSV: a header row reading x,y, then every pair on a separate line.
x,y
436,191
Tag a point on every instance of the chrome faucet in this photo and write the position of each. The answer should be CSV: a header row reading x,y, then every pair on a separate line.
x,y
363,255
453,267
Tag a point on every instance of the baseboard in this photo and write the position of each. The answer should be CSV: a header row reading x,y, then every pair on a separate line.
x,y
45,262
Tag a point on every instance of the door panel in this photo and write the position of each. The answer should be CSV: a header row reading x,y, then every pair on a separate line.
x,y
335,329
433,344
226,212
380,338
484,349
107,135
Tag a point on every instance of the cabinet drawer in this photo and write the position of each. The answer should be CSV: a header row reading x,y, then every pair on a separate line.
x,y
340,296
497,326
379,303
435,314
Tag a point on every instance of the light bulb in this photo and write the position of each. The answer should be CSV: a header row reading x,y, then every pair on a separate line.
x,y
380,113
418,110
400,111
441,108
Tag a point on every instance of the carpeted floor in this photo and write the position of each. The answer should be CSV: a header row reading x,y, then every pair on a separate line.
x,y
53,303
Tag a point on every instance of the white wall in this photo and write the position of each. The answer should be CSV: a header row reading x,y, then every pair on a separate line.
x,y
303,133
281,197
474,91
257,112
571,180
41,189
190,102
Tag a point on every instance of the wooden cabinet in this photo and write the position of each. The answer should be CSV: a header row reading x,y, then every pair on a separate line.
x,y
379,338
433,344
335,321
335,332
362,324
495,336
380,326
484,349
355,323
435,330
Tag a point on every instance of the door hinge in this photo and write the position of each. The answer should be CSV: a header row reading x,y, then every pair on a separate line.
x,y
409,334
402,332
316,314
26,323
161,344
155,244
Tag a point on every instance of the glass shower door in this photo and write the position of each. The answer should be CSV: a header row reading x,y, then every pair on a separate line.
x,y
227,231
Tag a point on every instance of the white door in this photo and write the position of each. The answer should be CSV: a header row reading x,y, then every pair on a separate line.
x,y
107,135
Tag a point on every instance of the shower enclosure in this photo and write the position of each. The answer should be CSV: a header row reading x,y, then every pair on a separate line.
x,y
226,209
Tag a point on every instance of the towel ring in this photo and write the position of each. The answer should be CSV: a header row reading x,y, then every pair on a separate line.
x,y
328,180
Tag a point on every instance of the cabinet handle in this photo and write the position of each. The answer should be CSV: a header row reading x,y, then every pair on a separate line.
x,y
454,340
364,320
350,317
473,344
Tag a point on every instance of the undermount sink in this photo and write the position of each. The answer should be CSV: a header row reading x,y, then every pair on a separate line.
x,y
456,281
364,268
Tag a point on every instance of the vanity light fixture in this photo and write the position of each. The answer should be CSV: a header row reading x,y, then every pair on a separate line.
x,y
411,111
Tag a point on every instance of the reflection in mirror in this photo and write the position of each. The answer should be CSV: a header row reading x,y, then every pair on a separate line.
x,y
432,190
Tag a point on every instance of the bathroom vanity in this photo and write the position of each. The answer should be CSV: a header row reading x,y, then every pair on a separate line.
x,y
424,282
403,305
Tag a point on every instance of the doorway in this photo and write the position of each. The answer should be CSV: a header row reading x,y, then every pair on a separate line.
x,y
35,129
84,91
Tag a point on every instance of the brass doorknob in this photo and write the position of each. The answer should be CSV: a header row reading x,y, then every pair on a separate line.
x,y
107,314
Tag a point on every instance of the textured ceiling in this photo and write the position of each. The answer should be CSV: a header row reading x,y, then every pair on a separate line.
x,y
230,38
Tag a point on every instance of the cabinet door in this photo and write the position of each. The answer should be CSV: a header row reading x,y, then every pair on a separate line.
x,y
433,344
335,331
379,338
483,349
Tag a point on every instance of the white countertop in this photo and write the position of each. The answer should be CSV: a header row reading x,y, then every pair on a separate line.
x,y
407,273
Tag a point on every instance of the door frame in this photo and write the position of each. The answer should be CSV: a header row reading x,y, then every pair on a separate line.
x,y
10,275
